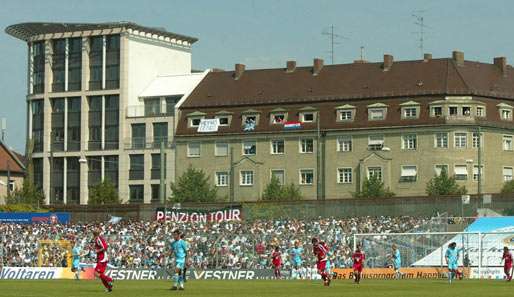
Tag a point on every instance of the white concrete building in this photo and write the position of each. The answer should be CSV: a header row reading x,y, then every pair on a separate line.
x,y
100,100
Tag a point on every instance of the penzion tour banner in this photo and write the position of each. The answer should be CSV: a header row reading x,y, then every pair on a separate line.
x,y
199,215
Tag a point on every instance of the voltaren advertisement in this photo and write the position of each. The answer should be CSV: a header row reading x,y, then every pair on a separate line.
x,y
35,273
199,215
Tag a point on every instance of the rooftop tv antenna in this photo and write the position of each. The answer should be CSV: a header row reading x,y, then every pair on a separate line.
x,y
362,52
3,128
419,21
333,39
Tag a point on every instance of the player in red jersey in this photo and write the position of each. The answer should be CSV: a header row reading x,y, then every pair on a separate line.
x,y
102,260
358,258
320,250
507,265
276,260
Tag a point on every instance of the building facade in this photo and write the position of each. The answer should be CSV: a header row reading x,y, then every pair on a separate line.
x,y
88,116
12,171
328,128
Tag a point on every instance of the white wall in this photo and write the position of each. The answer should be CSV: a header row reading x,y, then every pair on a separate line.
x,y
147,59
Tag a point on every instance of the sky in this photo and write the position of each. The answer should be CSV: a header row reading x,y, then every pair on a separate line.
x,y
267,33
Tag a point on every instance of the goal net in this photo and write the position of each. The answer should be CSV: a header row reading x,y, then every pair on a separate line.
x,y
480,252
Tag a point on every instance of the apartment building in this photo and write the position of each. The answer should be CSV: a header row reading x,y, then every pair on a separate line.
x,y
326,128
12,171
101,99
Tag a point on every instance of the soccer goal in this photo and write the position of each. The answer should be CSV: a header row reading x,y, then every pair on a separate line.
x,y
481,252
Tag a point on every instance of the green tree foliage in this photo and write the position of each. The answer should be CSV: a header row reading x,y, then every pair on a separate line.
x,y
444,185
508,187
193,186
103,193
28,194
373,188
276,192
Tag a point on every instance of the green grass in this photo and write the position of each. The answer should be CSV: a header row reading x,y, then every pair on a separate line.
x,y
263,288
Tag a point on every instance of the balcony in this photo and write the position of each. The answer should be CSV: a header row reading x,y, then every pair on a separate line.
x,y
138,111
460,119
147,143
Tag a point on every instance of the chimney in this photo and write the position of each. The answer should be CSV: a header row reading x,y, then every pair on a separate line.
x,y
388,62
239,70
318,64
291,66
501,63
458,57
427,57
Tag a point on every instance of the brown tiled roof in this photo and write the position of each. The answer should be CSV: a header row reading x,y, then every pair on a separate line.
x,y
352,81
9,160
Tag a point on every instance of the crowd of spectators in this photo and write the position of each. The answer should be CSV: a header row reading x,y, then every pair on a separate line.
x,y
227,245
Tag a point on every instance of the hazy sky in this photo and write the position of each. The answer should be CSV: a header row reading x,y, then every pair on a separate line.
x,y
265,33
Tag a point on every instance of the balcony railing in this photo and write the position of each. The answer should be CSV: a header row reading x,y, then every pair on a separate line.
x,y
460,119
136,174
136,111
147,143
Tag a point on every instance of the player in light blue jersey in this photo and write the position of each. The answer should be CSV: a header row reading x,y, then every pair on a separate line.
x,y
179,249
296,258
452,259
397,262
76,254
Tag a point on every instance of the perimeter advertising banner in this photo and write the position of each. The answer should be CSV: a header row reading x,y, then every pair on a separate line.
x,y
199,215
226,274
388,273
35,273
35,217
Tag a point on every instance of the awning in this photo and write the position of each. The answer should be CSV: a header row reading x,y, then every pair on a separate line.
x,y
408,171
376,142
461,170
475,170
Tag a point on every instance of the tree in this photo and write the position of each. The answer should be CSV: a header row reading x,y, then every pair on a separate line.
x,y
103,193
193,186
444,185
276,192
27,194
373,188
508,187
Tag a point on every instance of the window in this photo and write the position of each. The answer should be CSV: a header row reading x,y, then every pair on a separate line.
x,y
410,112
221,149
246,178
156,166
277,147
408,173
466,111
156,189
409,142
306,145
249,122
249,148
507,173
74,64
111,121
58,64
279,174
307,117
152,107
437,111
344,175
376,114
222,179
278,118
73,140
344,144
476,140
160,134
439,168
506,114
224,120
461,172
461,140
346,115
137,167
375,172
193,149
375,142
453,110
138,136
306,177
194,122
112,61
137,193
95,62
170,104
441,140
507,142
475,173
38,65
480,111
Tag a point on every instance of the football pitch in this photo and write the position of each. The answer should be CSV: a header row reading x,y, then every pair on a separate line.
x,y
261,288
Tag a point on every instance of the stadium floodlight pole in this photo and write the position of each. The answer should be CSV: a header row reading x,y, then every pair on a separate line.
x,y
231,190
162,177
